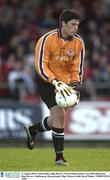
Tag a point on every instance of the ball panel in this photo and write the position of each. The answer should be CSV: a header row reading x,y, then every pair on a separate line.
x,y
67,101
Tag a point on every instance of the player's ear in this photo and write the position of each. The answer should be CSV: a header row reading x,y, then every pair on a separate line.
x,y
63,24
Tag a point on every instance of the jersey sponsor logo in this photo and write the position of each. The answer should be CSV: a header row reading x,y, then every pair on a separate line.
x,y
61,58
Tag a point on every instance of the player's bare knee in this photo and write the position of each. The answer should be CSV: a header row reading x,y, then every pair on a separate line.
x,y
57,113
59,120
60,117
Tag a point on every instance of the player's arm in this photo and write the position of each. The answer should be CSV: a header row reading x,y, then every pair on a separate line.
x,y
42,57
77,66
77,69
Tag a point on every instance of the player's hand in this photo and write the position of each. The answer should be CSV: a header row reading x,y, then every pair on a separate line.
x,y
62,87
76,88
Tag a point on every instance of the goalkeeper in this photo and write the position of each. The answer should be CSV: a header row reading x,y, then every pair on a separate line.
x,y
59,56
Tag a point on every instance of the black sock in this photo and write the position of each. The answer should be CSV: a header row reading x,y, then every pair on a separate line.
x,y
58,141
39,127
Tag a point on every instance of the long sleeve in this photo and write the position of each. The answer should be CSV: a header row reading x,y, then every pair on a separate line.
x,y
77,65
42,58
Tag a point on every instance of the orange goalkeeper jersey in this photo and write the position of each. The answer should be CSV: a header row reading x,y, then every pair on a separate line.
x,y
59,58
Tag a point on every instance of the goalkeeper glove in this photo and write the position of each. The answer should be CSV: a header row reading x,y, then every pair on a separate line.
x,y
62,87
76,87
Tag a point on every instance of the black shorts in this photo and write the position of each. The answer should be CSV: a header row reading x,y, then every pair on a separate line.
x,y
46,92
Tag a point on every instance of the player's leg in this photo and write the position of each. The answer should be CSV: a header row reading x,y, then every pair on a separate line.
x,y
56,122
34,129
46,91
58,118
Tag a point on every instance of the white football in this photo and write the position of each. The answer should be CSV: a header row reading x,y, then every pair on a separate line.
x,y
67,100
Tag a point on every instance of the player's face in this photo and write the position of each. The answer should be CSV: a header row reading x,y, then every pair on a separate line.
x,y
71,27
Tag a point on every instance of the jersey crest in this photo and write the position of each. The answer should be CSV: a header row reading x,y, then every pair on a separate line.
x,y
70,52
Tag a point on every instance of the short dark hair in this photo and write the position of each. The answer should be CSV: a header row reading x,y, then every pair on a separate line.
x,y
68,15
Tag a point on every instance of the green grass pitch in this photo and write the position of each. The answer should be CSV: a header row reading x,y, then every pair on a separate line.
x,y
42,159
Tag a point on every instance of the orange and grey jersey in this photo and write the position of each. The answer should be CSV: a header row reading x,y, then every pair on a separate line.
x,y
59,58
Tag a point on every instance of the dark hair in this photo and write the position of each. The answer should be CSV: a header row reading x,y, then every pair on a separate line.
x,y
68,15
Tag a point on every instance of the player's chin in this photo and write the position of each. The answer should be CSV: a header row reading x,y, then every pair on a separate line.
x,y
73,33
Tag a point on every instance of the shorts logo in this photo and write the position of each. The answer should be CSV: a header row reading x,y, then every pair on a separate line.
x,y
70,52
